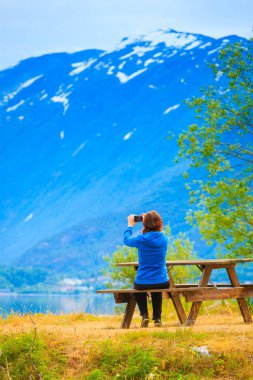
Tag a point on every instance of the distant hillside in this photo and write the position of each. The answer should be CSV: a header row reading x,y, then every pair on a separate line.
x,y
84,142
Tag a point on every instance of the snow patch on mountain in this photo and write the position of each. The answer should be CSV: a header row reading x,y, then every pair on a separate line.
x,y
193,45
214,50
150,60
81,66
128,135
29,217
13,108
168,37
101,65
110,71
44,96
62,97
29,82
125,78
26,84
152,86
205,45
157,55
173,53
122,65
140,51
172,108
79,149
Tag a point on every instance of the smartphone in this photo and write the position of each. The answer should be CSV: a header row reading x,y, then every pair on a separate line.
x,y
138,218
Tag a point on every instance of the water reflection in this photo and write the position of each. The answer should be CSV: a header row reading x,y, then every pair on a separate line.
x,y
56,303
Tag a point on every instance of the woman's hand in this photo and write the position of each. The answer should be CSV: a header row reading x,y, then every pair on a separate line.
x,y
131,221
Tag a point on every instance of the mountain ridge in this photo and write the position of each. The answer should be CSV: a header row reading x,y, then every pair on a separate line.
x,y
86,139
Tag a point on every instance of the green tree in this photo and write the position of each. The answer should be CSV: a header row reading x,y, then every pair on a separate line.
x,y
122,277
220,144
181,248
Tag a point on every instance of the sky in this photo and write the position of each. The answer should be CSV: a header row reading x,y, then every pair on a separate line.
x,y
35,27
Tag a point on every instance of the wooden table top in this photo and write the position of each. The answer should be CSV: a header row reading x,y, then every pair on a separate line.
x,y
194,262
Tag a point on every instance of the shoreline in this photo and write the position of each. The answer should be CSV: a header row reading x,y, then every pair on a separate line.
x,y
45,294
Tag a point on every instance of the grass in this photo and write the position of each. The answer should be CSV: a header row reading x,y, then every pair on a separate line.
x,y
24,362
82,346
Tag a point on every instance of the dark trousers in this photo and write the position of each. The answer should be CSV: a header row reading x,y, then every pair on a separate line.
x,y
141,299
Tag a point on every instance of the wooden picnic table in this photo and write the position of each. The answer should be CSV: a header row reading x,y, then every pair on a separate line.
x,y
205,290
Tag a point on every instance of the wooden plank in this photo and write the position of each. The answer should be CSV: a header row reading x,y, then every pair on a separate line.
x,y
217,285
219,265
246,286
128,315
218,294
196,305
241,301
194,262
177,289
133,291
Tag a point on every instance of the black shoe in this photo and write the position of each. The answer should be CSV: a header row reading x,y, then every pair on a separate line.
x,y
145,321
158,323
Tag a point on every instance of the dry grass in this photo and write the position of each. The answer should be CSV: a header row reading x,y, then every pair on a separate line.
x,y
81,334
227,325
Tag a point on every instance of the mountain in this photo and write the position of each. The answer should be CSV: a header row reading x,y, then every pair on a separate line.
x,y
84,142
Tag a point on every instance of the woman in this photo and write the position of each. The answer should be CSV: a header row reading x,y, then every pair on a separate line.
x,y
152,272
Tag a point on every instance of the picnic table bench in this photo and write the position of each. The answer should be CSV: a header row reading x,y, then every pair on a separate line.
x,y
205,290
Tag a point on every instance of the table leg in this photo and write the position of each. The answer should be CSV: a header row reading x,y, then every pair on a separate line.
x,y
178,307
128,315
196,305
241,301
177,302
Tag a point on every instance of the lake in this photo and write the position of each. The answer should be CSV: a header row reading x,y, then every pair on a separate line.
x,y
90,303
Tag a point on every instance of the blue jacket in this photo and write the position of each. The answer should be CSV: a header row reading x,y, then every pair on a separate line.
x,y
152,249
